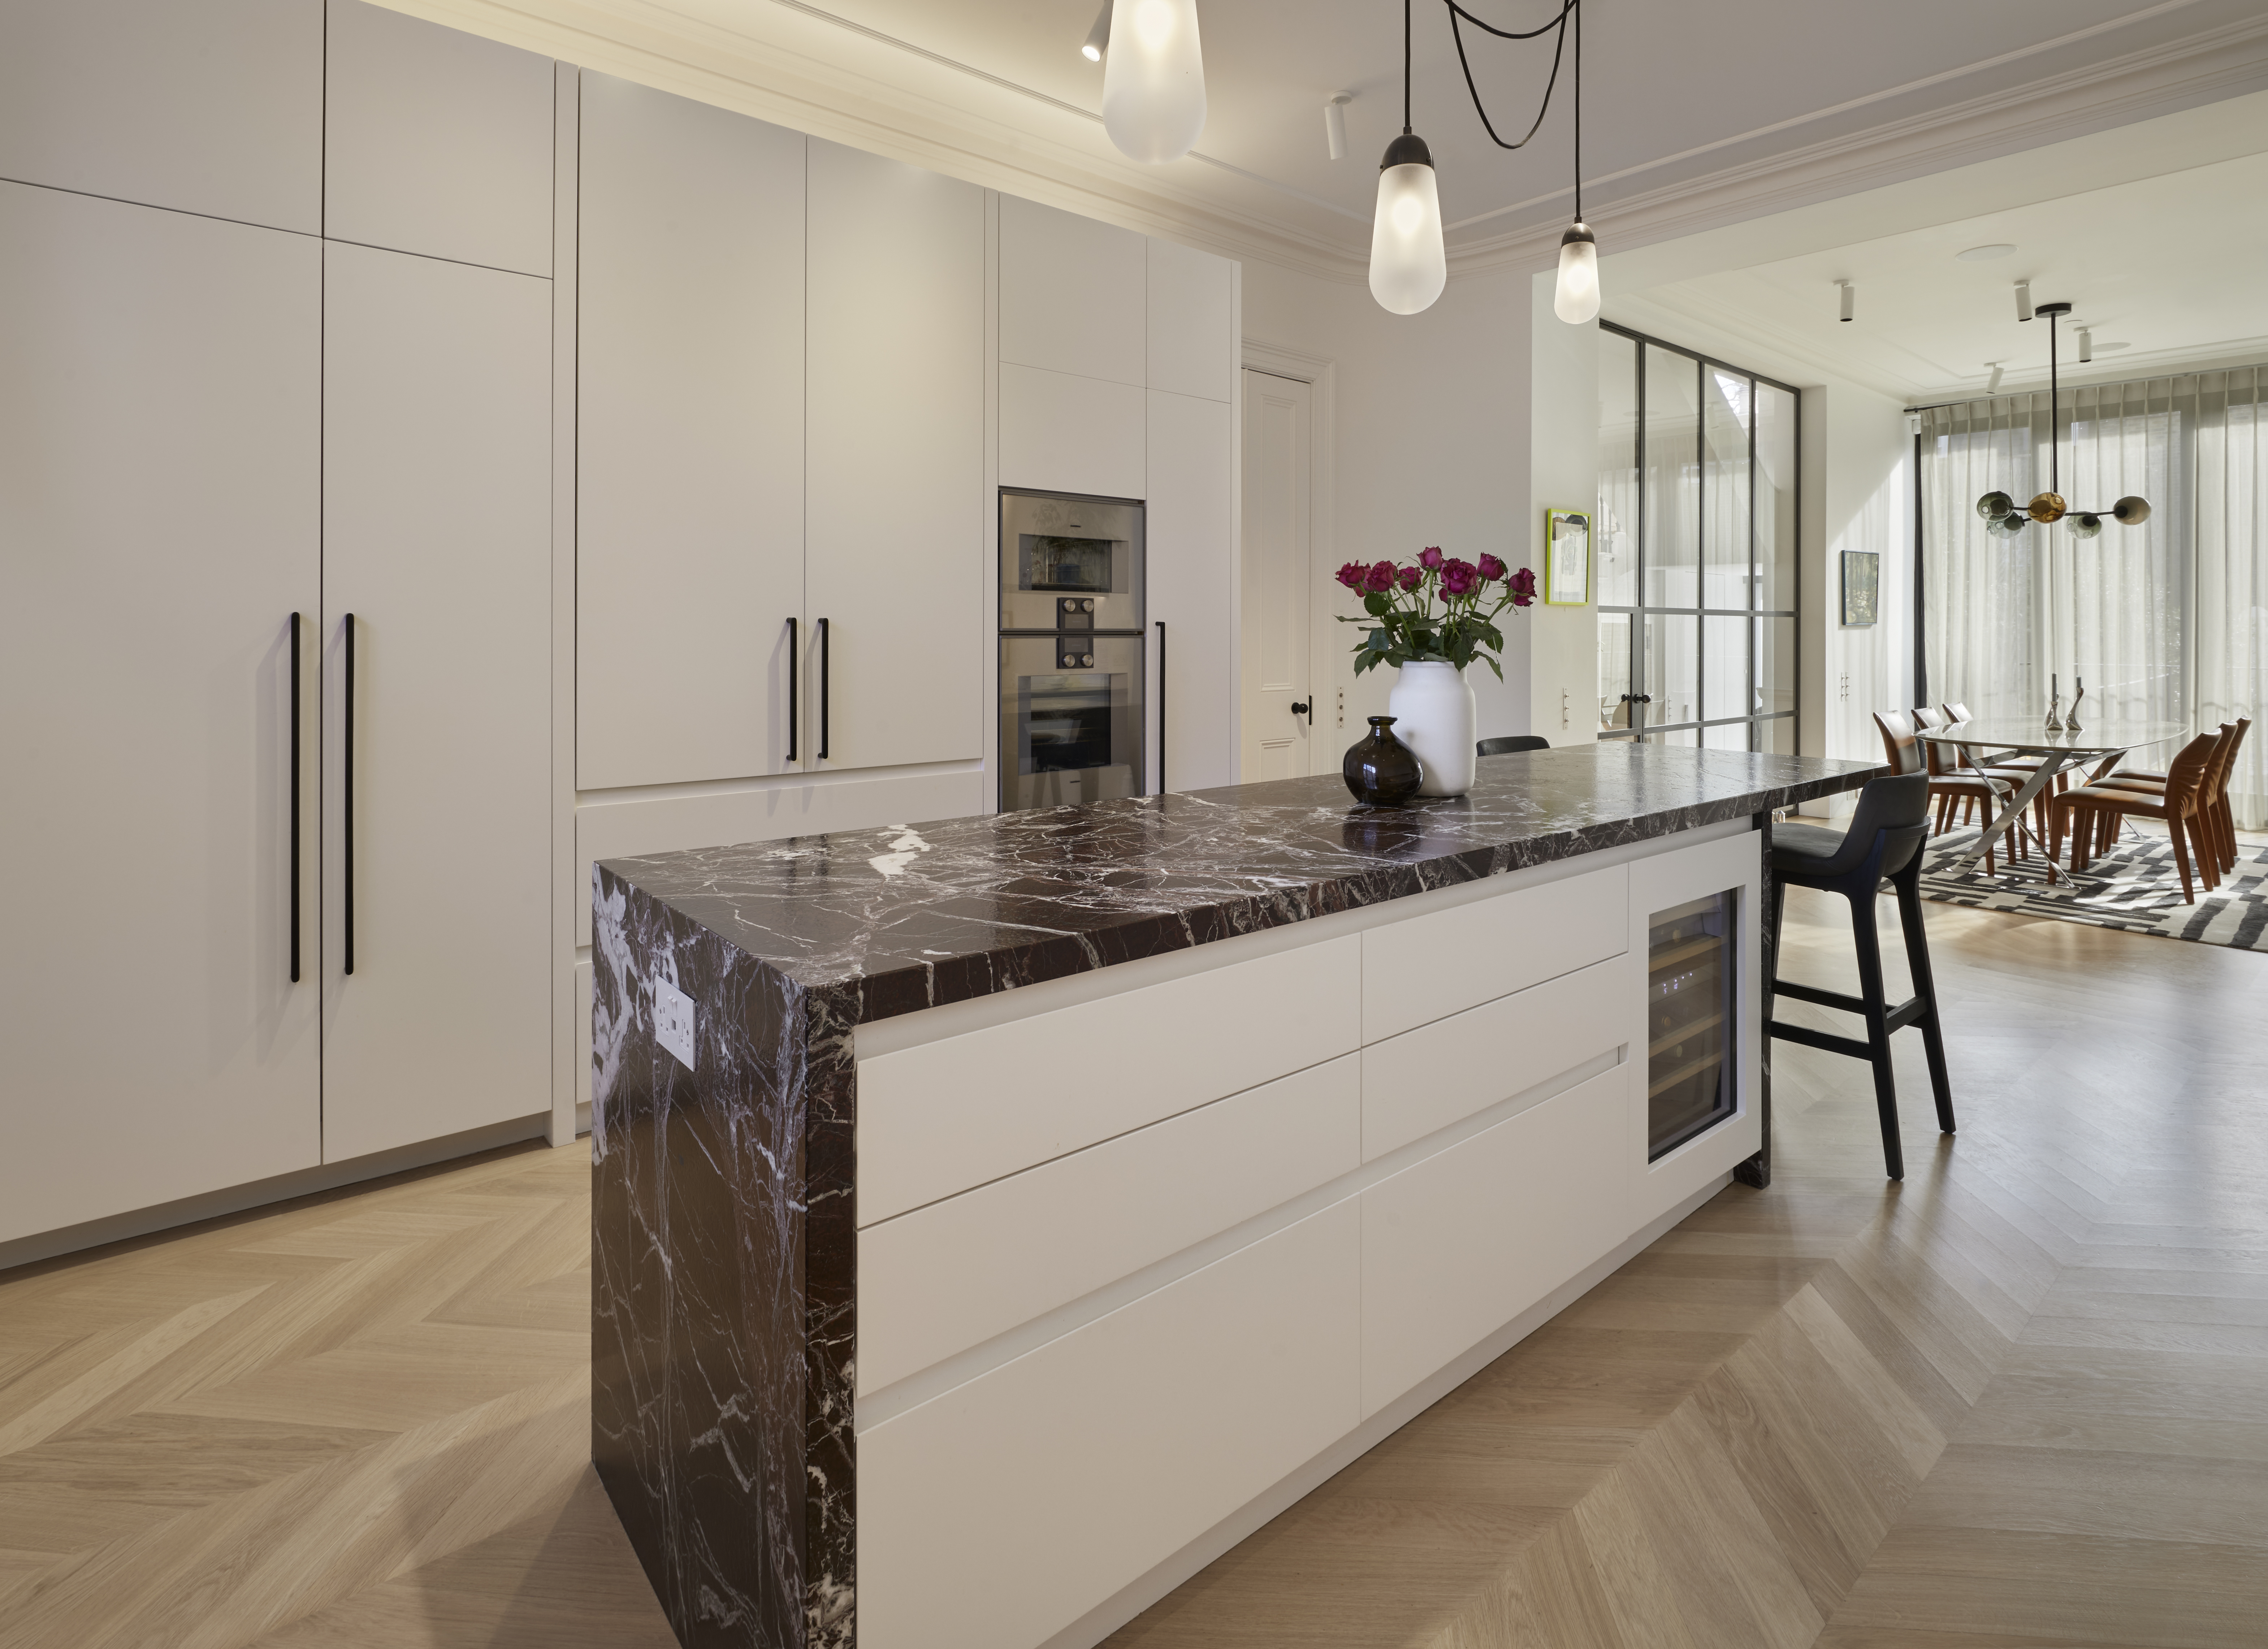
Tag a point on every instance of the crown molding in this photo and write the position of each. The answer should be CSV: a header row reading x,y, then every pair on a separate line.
x,y
1051,155
2234,355
2161,79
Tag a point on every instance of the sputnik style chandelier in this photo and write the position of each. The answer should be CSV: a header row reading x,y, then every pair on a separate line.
x,y
2004,518
1409,262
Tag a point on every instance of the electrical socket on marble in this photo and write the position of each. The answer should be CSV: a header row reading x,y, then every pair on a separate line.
x,y
673,1021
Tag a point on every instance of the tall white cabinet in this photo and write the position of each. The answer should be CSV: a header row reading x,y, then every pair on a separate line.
x,y
161,385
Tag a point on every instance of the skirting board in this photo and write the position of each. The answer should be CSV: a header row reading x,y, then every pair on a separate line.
x,y
1107,1617
235,1199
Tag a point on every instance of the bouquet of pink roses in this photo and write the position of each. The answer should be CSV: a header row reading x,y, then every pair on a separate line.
x,y
1441,610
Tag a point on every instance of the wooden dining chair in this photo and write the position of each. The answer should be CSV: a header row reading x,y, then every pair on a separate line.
x,y
2085,810
1950,763
1907,754
2015,767
2220,816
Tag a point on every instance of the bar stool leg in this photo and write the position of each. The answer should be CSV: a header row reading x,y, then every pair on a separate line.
x,y
1866,937
1908,882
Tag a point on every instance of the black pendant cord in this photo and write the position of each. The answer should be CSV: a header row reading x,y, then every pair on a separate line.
x,y
1459,15
1405,68
1579,109
2055,453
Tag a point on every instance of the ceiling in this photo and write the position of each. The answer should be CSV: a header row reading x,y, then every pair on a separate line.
x,y
1693,113
2166,266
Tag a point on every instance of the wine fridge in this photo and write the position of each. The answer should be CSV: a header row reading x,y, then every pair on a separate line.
x,y
1072,660
1693,1006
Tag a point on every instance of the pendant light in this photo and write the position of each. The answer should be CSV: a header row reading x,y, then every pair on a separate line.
x,y
1154,93
1576,300
1409,264
2003,516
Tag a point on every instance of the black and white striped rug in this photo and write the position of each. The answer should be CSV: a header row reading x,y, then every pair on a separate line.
x,y
2135,887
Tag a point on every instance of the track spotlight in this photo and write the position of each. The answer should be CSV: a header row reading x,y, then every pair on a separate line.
x,y
1098,38
1334,124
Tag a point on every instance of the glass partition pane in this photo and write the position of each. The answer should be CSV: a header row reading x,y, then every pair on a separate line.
x,y
1673,479
1727,735
1775,505
1775,665
1673,667
1615,543
1676,738
1725,669
1691,1077
1614,670
1727,412
1777,735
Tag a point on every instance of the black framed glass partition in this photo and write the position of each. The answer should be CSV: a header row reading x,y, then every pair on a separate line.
x,y
1695,548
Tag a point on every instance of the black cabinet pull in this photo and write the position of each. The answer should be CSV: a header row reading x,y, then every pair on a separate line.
x,y
1161,707
348,861
822,689
791,671
295,799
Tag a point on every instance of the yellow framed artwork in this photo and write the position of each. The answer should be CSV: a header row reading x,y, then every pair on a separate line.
x,y
1566,557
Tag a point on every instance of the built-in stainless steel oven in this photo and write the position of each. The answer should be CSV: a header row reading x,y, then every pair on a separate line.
x,y
1072,660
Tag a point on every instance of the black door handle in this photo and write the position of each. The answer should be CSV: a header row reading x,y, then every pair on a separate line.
x,y
822,689
791,672
1161,707
1307,709
295,799
347,859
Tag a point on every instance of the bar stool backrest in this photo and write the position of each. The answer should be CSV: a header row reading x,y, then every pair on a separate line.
x,y
1899,745
1506,743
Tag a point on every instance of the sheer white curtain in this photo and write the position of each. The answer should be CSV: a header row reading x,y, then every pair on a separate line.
x,y
2166,621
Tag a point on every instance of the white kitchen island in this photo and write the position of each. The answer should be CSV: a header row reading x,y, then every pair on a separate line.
x,y
999,1220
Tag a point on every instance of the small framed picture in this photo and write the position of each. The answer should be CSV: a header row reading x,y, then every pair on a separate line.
x,y
1862,583
1566,557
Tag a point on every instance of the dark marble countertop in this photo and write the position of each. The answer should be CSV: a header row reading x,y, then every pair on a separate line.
x,y
912,917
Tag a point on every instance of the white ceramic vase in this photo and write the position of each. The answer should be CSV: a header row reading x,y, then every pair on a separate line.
x,y
1432,711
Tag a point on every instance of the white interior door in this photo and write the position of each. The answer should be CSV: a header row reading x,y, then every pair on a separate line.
x,y
896,522
160,393
689,439
1277,739
437,536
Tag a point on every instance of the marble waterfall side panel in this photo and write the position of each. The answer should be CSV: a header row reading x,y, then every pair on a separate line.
x,y
831,1336
697,1403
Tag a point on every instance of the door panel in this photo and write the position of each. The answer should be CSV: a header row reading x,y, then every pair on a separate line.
x,y
1277,740
159,398
689,438
897,520
202,106
437,509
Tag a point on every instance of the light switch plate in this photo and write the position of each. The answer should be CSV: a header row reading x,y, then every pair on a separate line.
x,y
673,1021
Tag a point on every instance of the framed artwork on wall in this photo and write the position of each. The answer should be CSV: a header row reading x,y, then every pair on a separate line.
x,y
1566,557
1862,582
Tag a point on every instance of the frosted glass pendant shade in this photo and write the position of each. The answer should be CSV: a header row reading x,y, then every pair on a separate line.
x,y
1409,265
1153,95
1577,299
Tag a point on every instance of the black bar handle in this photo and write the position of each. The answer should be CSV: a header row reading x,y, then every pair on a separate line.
x,y
349,796
1161,707
791,672
822,689
295,799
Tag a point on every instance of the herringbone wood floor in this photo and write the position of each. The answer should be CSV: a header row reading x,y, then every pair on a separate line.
x,y
2019,1403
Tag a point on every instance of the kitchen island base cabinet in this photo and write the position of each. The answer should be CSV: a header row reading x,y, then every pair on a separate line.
x,y
1000,1511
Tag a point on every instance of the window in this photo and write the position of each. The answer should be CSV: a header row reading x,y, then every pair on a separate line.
x,y
1696,550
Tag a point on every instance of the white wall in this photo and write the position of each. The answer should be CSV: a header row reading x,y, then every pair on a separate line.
x,y
1564,470
1431,448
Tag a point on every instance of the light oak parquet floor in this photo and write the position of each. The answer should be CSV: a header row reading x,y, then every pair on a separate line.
x,y
2021,1402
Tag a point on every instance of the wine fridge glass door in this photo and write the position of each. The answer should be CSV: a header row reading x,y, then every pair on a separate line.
x,y
1692,985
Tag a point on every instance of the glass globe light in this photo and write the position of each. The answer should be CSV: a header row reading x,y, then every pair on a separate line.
x,y
1577,299
1153,91
2083,526
2047,509
2131,510
2007,526
1993,506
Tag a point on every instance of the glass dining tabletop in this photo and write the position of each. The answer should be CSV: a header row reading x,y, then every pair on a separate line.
x,y
2029,735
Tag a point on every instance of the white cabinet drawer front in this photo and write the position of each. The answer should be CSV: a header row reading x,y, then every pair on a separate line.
x,y
1070,434
1457,1246
947,1115
1423,1080
952,1275
998,1515
1431,965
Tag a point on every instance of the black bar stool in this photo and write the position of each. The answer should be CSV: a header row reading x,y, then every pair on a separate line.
x,y
1505,744
1884,841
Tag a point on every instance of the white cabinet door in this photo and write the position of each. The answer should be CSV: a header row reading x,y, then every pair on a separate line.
x,y
161,385
436,537
1193,584
203,105
1072,294
689,518
897,520
436,140
1192,337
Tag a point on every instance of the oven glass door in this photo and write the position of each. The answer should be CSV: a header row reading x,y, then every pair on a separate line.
x,y
1071,719
1070,563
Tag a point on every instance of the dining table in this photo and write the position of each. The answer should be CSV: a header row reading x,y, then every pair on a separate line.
x,y
1986,740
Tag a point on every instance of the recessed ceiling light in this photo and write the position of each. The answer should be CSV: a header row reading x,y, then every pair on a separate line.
x,y
1979,254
